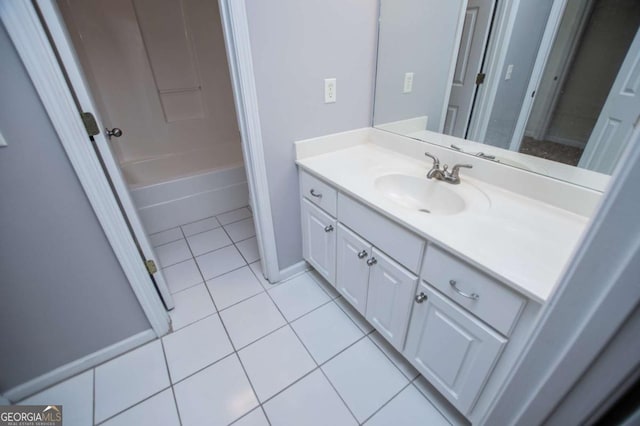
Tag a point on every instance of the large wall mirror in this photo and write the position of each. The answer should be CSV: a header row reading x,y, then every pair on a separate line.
x,y
549,86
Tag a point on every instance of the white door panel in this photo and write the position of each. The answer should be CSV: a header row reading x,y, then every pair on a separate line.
x,y
319,240
352,271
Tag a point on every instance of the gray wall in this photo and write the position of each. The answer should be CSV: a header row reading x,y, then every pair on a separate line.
x,y
295,46
523,48
416,36
63,295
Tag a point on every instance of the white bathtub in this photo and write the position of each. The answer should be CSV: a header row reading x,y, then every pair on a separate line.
x,y
177,189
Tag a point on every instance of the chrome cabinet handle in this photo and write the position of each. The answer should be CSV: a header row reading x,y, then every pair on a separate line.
x,y
328,228
315,194
115,132
372,261
472,296
421,297
362,254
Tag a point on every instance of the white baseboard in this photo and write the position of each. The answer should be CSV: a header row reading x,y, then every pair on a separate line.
x,y
293,270
71,369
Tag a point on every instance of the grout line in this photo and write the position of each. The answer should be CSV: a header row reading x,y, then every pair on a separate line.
x,y
135,405
387,355
173,393
385,404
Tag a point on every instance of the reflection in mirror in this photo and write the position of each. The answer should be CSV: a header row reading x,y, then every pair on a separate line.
x,y
549,86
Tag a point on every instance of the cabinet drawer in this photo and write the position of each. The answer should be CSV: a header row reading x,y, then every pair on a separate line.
x,y
402,245
495,304
319,193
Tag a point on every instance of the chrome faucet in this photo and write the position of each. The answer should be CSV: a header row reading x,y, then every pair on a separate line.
x,y
477,154
452,177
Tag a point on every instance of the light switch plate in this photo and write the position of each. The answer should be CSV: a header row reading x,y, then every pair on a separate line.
x,y
329,90
3,142
408,82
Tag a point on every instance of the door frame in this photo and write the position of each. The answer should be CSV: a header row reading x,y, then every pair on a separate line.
x,y
32,44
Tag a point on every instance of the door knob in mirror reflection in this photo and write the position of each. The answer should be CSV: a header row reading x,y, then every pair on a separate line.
x,y
472,296
315,194
372,261
328,228
115,132
362,254
421,297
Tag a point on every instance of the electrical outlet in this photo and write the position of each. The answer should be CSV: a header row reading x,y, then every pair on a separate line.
x,y
507,75
329,90
408,82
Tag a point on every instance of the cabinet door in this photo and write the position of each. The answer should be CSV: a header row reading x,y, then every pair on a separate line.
x,y
453,350
390,296
319,240
352,271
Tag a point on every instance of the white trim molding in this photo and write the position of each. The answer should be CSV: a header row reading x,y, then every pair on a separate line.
x,y
238,44
30,40
584,318
78,366
293,270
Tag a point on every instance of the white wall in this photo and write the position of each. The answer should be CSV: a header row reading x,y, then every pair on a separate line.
x,y
416,36
295,45
523,48
63,294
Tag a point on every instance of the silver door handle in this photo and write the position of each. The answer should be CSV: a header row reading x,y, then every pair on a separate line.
x,y
315,194
421,297
472,296
372,261
328,228
362,254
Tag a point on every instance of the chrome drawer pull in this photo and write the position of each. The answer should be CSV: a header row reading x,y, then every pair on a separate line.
x,y
372,261
472,296
328,228
421,297
315,194
362,254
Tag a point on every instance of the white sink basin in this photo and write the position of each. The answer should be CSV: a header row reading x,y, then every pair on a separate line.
x,y
431,196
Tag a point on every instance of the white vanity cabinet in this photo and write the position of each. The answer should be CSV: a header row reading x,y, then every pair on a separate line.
x,y
319,240
452,349
353,267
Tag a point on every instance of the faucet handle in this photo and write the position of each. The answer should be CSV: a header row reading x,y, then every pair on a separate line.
x,y
455,170
436,162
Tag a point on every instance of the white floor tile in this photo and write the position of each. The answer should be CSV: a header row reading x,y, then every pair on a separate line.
x,y
182,275
157,410
326,331
324,284
172,253
254,418
220,262
165,237
208,241
241,230
409,408
192,304
364,377
298,296
74,394
249,249
234,216
200,226
250,320
217,395
256,267
195,346
234,287
128,379
360,321
276,361
310,402
400,361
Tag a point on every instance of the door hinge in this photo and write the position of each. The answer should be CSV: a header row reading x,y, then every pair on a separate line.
x,y
151,266
480,78
90,123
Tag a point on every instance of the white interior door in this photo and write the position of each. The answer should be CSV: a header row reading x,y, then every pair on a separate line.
x,y
475,33
63,45
619,116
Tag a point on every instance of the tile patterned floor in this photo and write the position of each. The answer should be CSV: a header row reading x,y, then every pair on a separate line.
x,y
246,352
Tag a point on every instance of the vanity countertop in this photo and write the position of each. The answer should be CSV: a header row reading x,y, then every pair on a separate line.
x,y
523,242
